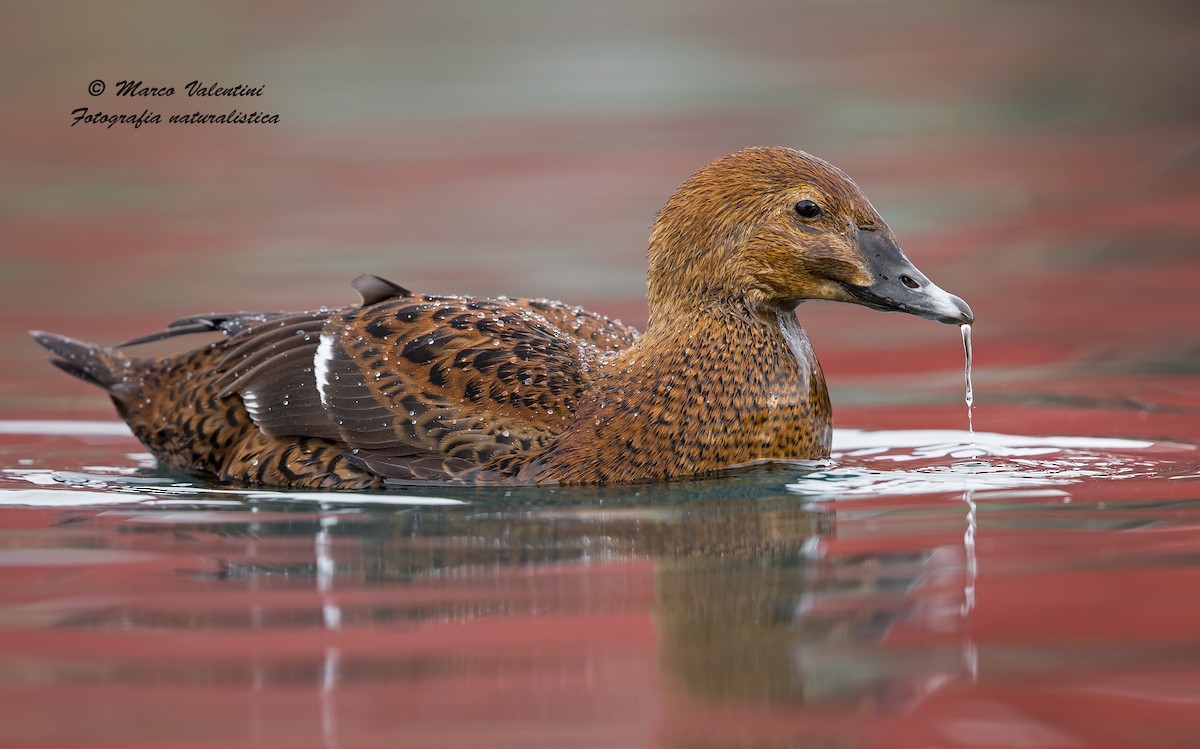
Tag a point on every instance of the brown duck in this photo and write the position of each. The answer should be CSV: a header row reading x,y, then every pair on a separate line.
x,y
423,388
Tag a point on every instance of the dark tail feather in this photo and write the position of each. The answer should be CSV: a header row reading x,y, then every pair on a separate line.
x,y
94,364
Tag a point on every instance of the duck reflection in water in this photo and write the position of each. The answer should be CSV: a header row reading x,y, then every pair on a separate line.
x,y
744,604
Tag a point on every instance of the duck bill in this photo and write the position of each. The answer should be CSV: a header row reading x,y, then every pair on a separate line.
x,y
899,287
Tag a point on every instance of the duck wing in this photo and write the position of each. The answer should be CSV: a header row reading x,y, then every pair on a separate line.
x,y
603,332
420,387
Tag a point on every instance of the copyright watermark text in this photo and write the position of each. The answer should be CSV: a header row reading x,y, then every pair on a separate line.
x,y
136,89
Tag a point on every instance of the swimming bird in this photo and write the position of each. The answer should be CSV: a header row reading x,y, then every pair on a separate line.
x,y
423,388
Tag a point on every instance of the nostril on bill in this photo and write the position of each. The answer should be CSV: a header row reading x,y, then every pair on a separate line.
x,y
909,282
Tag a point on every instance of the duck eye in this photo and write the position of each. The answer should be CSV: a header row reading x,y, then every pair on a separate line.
x,y
808,209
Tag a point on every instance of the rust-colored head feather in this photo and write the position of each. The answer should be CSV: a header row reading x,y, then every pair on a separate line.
x,y
730,231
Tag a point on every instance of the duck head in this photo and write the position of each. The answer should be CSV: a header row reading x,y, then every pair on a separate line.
x,y
772,227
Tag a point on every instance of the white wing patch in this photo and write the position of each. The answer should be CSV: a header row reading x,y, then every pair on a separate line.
x,y
250,399
321,362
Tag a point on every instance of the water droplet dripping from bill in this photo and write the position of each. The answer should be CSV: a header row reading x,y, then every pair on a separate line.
x,y
966,337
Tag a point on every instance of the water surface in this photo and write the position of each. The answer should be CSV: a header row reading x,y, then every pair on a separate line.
x,y
913,586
